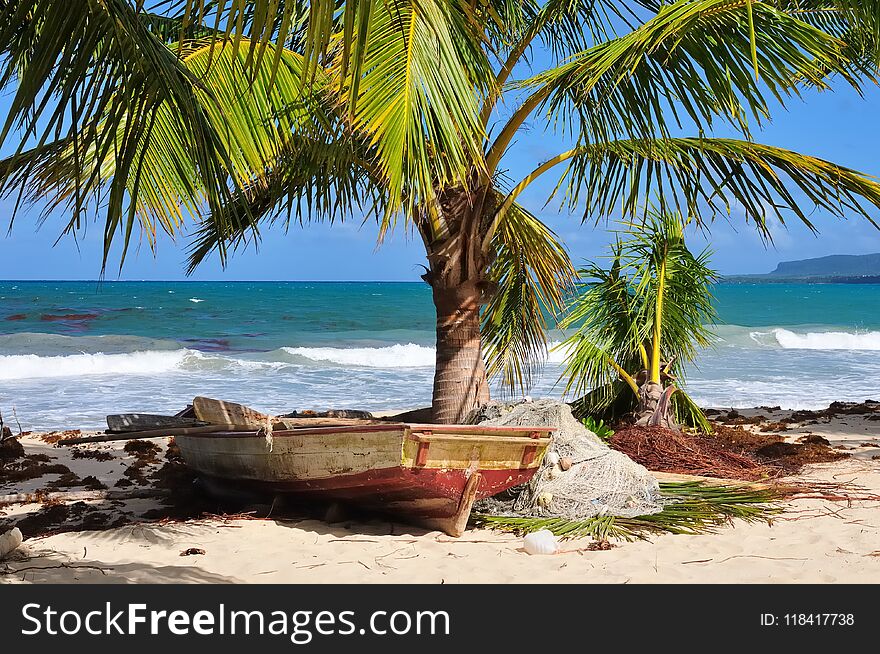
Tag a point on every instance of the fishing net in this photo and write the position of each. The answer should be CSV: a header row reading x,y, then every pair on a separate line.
x,y
598,480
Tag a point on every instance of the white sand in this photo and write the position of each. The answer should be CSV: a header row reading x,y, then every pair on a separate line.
x,y
813,541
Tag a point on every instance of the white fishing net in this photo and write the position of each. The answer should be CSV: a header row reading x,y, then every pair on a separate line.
x,y
598,480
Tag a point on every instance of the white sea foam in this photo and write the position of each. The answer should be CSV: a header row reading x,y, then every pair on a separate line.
x,y
790,340
29,366
801,337
410,355
152,362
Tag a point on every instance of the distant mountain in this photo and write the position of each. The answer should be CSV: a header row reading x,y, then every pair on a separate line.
x,y
836,268
836,265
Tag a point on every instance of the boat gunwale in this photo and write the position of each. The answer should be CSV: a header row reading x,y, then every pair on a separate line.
x,y
405,427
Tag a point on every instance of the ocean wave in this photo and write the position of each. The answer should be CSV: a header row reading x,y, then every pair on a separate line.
x,y
798,337
399,355
62,356
790,340
185,360
409,355
29,366
151,362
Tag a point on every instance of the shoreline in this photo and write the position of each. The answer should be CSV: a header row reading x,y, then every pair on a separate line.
x,y
69,355
140,540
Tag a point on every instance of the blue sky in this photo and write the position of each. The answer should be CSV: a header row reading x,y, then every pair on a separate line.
x,y
839,126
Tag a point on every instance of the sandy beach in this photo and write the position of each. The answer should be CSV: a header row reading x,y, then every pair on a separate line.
x,y
813,540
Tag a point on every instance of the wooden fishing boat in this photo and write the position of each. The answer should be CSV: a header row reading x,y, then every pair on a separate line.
x,y
426,474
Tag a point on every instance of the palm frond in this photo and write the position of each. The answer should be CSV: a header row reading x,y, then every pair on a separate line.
x,y
667,274
312,180
692,60
689,508
692,175
253,116
607,335
607,402
687,412
531,275
648,311
252,26
855,22
414,98
92,73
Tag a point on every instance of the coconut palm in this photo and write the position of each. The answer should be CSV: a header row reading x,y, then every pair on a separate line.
x,y
233,115
637,323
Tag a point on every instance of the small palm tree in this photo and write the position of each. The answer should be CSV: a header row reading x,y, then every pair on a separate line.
x,y
231,116
637,323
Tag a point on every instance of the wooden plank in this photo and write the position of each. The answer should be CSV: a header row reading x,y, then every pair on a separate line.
x,y
125,422
219,412
152,433
304,423
510,440
483,430
186,413
330,413
456,524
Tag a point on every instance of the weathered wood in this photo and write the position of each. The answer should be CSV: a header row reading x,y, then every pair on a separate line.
x,y
507,440
125,422
83,496
153,433
484,430
456,524
304,423
330,413
188,412
375,466
219,412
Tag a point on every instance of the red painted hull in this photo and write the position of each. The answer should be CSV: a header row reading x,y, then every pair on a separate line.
x,y
377,488
426,474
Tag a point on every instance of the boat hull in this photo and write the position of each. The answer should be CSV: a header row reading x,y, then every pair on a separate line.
x,y
426,474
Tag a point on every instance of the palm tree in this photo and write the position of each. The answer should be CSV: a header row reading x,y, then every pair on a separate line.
x,y
637,323
242,113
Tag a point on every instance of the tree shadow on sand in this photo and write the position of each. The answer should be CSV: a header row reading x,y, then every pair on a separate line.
x,y
36,564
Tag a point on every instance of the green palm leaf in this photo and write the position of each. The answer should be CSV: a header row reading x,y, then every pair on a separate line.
x,y
531,275
693,174
92,73
416,98
252,116
648,311
693,60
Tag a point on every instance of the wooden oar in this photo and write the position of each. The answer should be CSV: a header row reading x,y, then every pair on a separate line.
x,y
220,416
124,422
152,433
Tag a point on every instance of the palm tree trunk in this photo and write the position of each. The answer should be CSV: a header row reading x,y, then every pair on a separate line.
x,y
457,276
655,406
460,383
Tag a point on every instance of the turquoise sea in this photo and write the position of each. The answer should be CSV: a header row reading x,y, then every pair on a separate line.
x,y
71,352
